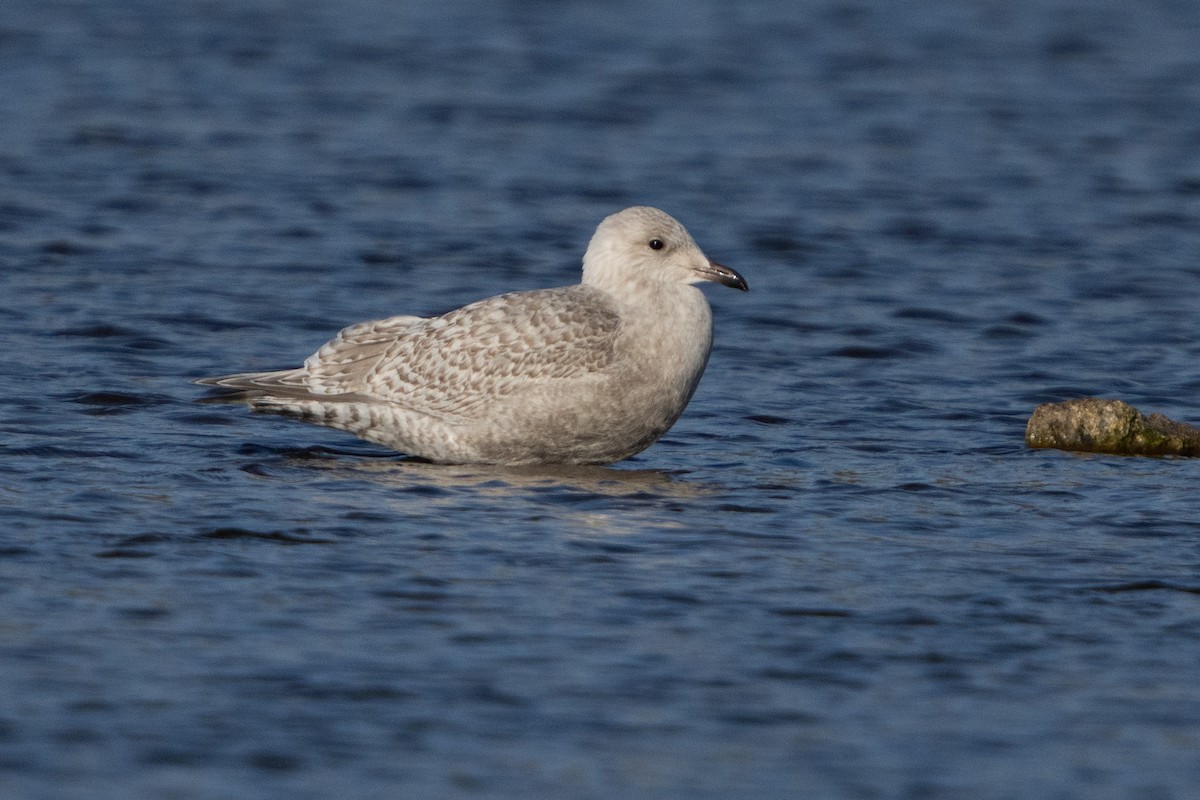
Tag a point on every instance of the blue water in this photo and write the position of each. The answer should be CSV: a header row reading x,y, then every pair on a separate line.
x,y
841,575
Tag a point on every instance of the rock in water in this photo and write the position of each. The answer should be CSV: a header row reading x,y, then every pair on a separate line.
x,y
1095,425
584,374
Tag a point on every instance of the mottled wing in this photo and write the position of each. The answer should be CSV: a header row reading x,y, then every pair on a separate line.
x,y
344,364
449,365
334,370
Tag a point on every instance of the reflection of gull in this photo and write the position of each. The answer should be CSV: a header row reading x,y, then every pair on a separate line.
x,y
504,481
585,374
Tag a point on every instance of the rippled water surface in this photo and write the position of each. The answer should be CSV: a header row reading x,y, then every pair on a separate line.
x,y
841,575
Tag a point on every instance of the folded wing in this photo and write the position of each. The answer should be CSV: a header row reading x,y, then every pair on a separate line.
x,y
451,365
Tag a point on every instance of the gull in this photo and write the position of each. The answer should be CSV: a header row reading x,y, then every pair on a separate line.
x,y
586,374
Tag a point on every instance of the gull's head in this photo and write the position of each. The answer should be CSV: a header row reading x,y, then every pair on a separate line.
x,y
642,244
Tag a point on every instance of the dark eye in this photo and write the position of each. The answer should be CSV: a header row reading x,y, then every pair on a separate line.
x,y
656,244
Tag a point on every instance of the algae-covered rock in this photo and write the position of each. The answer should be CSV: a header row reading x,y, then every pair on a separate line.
x,y
1095,425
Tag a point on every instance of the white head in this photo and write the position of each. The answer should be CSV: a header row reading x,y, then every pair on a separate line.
x,y
642,244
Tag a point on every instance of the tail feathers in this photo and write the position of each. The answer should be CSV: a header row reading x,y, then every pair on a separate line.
x,y
248,387
278,393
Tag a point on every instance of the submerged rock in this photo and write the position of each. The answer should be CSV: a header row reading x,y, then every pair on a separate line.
x,y
1095,425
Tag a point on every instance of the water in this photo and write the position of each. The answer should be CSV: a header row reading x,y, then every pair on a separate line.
x,y
840,575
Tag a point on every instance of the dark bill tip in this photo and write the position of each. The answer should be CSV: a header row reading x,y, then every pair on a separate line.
x,y
726,276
